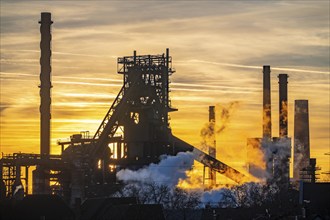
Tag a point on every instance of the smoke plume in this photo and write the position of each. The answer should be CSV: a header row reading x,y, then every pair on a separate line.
x,y
168,172
157,183
276,157
224,112
160,184
284,118
255,158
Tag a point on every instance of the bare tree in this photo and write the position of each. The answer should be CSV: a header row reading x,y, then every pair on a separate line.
x,y
182,199
153,193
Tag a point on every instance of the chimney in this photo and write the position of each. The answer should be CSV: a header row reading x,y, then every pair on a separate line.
x,y
283,105
41,174
267,123
45,85
301,137
212,148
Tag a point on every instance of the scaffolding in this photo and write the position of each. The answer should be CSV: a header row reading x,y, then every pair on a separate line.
x,y
11,169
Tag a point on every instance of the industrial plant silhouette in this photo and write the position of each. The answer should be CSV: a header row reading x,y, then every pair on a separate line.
x,y
82,182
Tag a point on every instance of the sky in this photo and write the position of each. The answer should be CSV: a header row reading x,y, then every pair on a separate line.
x,y
218,50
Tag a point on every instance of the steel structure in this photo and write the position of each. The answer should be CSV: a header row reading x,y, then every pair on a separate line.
x,y
11,171
134,133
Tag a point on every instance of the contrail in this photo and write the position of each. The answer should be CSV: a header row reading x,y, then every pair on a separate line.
x,y
87,83
251,67
186,61
63,53
17,74
61,77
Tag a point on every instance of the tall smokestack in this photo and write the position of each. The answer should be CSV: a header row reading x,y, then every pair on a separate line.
x,y
41,174
45,85
212,148
283,105
267,123
301,137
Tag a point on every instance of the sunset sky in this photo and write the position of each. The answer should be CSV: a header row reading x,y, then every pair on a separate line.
x,y
218,49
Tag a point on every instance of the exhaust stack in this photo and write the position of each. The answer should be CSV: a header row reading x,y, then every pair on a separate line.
x,y
283,105
41,174
267,119
212,148
45,86
301,137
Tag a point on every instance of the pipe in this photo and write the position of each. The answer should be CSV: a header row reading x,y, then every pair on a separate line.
x,y
267,120
283,105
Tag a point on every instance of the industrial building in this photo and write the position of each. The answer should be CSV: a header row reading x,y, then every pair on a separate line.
x,y
274,151
134,132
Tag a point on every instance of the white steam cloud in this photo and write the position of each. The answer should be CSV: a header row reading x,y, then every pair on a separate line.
x,y
276,157
158,184
168,172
